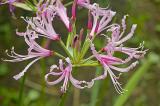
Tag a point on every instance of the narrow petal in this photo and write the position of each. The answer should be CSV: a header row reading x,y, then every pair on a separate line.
x,y
61,65
65,83
53,67
69,64
124,69
103,76
116,84
128,36
18,76
77,83
56,81
95,53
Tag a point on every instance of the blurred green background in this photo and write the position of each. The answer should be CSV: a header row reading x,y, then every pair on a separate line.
x,y
143,83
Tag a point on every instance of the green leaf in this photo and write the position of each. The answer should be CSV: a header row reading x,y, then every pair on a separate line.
x,y
33,95
3,69
23,6
133,81
157,28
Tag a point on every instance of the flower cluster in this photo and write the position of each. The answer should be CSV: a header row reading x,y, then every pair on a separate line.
x,y
99,24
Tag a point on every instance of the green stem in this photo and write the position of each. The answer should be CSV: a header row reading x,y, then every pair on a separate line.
x,y
134,80
63,98
23,6
43,83
68,4
59,55
86,65
76,97
68,40
95,89
86,45
65,49
91,57
21,91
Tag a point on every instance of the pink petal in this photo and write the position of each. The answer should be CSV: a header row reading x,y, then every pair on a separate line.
x,y
18,76
124,69
128,36
56,81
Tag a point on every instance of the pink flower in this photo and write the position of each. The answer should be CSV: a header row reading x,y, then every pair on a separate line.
x,y
35,52
61,11
66,74
108,62
42,24
101,19
115,43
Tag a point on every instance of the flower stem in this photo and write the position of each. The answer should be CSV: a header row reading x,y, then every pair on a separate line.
x,y
96,89
86,65
76,97
59,55
68,4
86,45
43,83
89,58
63,98
21,90
65,49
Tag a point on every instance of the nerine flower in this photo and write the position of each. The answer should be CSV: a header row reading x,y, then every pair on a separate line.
x,y
65,74
61,11
115,43
35,52
101,16
101,19
42,24
108,62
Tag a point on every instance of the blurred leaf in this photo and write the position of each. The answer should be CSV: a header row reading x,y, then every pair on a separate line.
x,y
7,96
157,28
3,69
103,3
103,91
5,29
157,1
95,89
133,81
23,6
30,5
33,95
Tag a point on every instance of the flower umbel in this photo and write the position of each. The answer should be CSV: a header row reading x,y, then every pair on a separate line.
x,y
42,24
